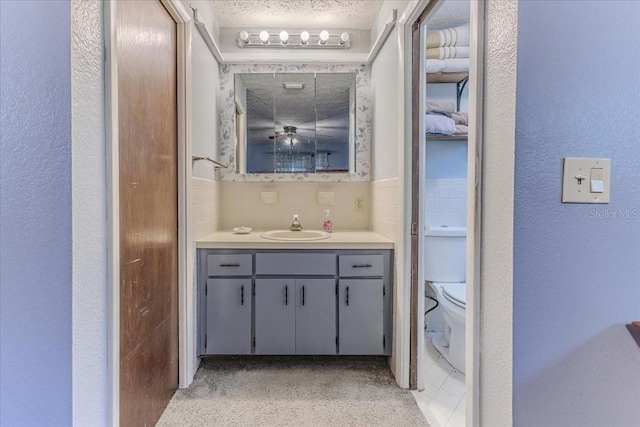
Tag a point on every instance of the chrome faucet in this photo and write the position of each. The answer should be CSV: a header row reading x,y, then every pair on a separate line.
x,y
295,225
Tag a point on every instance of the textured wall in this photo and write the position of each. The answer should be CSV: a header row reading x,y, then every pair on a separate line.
x,y
35,212
576,276
497,212
89,215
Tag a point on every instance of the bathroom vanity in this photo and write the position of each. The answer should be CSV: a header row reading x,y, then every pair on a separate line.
x,y
327,297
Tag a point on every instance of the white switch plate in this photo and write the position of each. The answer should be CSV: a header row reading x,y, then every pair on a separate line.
x,y
325,196
269,197
576,181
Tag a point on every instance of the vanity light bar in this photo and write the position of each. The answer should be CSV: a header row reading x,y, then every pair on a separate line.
x,y
304,40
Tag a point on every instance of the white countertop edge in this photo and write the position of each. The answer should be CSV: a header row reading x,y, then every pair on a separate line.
x,y
253,240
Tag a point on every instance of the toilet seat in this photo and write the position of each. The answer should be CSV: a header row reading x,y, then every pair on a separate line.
x,y
456,293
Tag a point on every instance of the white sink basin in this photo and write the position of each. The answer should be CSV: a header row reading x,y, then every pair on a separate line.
x,y
296,236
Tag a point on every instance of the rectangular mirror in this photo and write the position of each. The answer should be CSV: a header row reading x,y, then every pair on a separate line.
x,y
295,122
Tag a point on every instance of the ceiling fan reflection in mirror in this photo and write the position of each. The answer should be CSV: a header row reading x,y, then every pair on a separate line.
x,y
289,134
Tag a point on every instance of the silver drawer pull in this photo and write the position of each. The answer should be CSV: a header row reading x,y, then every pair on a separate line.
x,y
361,266
229,265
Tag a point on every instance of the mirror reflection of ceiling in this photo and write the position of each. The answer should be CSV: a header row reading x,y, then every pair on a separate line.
x,y
309,14
319,109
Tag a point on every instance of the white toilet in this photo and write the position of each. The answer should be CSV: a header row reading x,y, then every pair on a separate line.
x,y
445,252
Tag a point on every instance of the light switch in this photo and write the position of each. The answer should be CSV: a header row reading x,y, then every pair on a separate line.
x,y
586,180
597,183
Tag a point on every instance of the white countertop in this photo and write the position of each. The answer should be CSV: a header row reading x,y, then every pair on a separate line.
x,y
338,240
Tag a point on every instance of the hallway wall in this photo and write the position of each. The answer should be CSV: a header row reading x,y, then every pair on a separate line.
x,y
35,214
576,274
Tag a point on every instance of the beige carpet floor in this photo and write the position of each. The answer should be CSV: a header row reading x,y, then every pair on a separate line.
x,y
293,391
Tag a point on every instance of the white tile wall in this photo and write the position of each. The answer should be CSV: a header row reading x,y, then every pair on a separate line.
x,y
446,204
446,201
242,205
204,201
384,208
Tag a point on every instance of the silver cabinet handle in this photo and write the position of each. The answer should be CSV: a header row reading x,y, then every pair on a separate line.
x,y
229,265
242,295
286,295
303,295
347,296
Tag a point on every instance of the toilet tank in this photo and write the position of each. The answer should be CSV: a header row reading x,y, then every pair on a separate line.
x,y
445,253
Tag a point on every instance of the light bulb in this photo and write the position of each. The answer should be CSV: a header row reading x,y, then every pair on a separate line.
x,y
344,37
324,36
264,36
304,37
284,37
294,140
287,141
244,36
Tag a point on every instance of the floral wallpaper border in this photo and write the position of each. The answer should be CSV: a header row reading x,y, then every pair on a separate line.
x,y
363,122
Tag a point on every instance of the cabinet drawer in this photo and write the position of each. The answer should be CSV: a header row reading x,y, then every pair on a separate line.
x,y
229,265
307,264
361,265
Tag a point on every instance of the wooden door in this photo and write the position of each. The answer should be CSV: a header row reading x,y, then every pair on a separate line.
x,y
147,135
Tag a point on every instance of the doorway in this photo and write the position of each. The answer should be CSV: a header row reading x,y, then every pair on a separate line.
x,y
147,227
466,150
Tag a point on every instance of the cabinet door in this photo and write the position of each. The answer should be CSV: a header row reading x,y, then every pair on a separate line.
x,y
361,316
228,316
316,316
275,316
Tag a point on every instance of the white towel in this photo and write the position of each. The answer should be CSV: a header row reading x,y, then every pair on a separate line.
x,y
460,118
437,123
447,65
462,130
448,52
440,106
458,36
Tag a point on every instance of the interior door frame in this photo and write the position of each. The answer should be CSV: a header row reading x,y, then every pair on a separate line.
x,y
186,324
415,168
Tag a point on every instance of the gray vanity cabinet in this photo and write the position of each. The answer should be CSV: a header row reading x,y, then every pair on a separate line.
x,y
275,315
315,316
228,329
361,308
363,304
284,302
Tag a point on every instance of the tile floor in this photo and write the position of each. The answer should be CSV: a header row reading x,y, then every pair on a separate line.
x,y
443,398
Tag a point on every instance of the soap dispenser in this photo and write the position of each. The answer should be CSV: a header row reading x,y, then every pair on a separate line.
x,y
327,224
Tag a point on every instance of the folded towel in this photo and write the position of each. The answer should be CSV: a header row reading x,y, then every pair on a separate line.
x,y
448,52
462,130
458,36
447,65
436,123
440,106
460,118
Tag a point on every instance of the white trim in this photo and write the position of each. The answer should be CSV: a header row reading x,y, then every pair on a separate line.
x,y
185,320
403,266
474,210
389,25
207,37
113,214
186,326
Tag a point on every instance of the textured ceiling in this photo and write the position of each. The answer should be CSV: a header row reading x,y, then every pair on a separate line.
x,y
451,14
330,14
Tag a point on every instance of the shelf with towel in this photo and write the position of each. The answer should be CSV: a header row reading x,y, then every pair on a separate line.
x,y
460,79
454,137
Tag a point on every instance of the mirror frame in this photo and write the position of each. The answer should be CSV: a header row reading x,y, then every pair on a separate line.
x,y
363,122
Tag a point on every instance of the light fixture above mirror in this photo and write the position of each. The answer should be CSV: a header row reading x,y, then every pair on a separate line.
x,y
303,40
